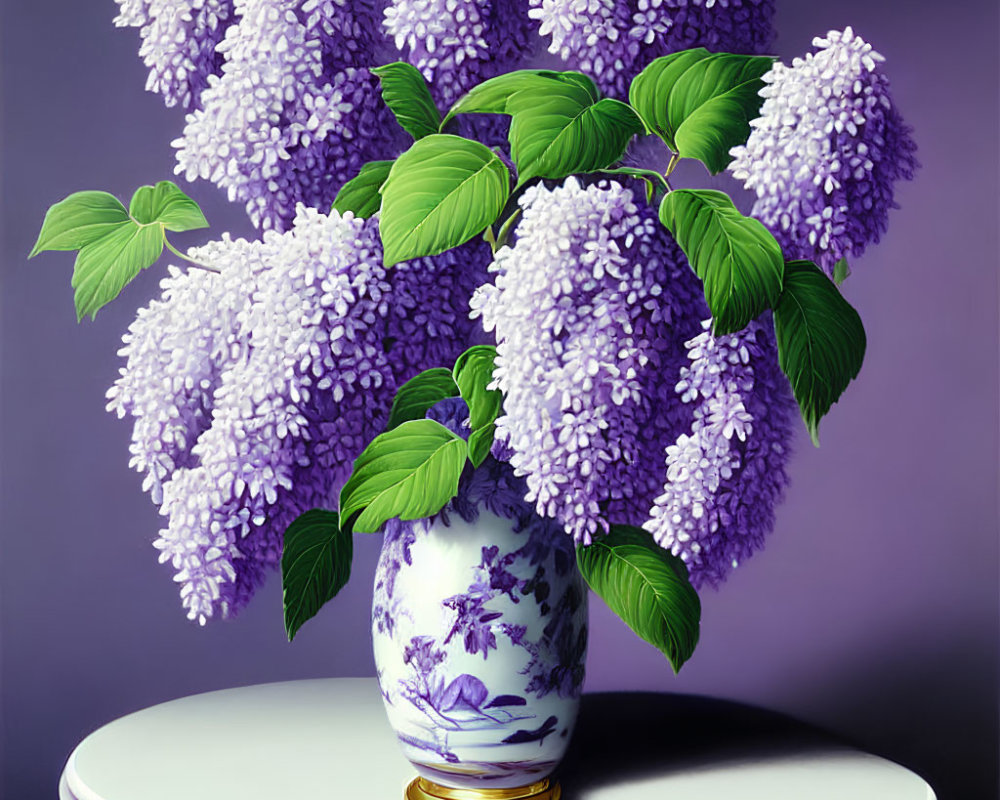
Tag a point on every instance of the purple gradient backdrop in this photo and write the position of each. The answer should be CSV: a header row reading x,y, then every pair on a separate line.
x,y
873,611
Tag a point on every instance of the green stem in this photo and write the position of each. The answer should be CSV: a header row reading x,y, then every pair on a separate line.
x,y
637,172
674,158
505,228
190,260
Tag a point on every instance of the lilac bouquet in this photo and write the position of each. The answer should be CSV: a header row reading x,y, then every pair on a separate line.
x,y
453,230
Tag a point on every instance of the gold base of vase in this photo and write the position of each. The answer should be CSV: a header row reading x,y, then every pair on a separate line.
x,y
423,789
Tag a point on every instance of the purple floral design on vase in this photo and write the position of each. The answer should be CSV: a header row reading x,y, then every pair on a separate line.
x,y
481,668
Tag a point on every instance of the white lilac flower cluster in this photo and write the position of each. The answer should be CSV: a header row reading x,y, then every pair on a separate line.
x,y
281,125
618,407
174,352
701,517
612,41
252,390
582,307
268,406
826,151
178,43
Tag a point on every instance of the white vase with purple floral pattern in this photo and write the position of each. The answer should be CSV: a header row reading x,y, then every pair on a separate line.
x,y
480,634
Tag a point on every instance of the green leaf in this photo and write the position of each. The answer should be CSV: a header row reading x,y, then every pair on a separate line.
x,y
821,341
315,565
167,205
647,587
78,220
361,193
491,96
736,257
439,194
561,130
701,103
405,92
420,393
473,373
409,472
841,271
114,244
105,266
559,125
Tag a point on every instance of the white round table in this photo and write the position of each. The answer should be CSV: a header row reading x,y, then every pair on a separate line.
x,y
319,739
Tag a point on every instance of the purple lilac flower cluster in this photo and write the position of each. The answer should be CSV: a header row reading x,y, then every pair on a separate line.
x,y
590,308
458,43
179,38
284,109
826,151
291,117
252,390
733,26
430,324
612,41
583,307
725,477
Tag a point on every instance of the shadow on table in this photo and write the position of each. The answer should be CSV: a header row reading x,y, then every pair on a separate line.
x,y
643,734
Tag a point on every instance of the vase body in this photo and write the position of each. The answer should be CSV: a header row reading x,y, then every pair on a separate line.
x,y
480,636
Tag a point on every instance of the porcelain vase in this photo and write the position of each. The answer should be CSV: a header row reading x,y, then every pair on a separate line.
x,y
480,635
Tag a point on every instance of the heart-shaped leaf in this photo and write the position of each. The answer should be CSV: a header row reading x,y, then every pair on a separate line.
x,y
420,393
315,565
104,267
473,373
405,91
409,472
647,587
821,341
166,205
439,194
361,193
737,259
561,131
701,103
78,220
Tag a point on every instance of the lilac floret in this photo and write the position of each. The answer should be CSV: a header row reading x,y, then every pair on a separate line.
x,y
826,151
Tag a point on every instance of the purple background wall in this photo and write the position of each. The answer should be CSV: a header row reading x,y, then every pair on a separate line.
x,y
873,611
